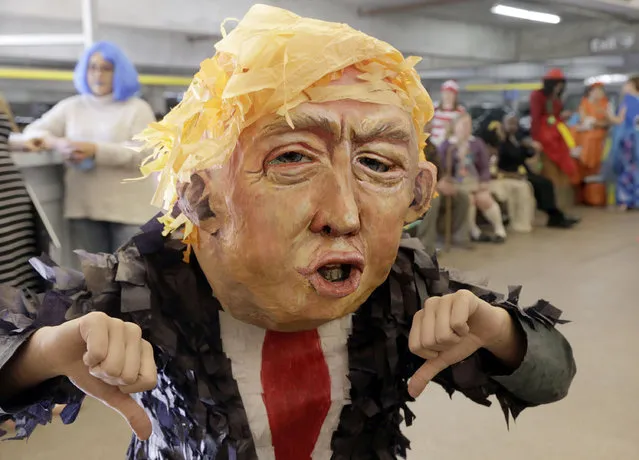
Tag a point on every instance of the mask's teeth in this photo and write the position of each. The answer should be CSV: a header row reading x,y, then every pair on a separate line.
x,y
334,273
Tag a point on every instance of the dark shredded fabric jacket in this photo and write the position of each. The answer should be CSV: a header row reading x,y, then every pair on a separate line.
x,y
196,409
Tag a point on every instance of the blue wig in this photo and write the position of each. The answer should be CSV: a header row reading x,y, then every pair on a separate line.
x,y
125,78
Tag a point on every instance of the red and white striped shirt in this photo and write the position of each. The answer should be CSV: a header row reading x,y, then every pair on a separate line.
x,y
441,120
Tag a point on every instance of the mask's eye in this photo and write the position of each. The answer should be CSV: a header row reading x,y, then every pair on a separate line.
x,y
290,157
374,165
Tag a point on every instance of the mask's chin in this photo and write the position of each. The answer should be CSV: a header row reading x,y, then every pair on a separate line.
x,y
273,316
263,320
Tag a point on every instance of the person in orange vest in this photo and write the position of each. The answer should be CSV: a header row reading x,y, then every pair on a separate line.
x,y
590,134
593,114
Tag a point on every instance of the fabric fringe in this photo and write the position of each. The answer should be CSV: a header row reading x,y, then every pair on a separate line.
x,y
196,408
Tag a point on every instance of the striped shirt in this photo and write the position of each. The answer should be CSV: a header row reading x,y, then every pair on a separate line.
x,y
17,221
441,120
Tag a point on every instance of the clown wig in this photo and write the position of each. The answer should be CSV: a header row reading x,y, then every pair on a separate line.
x,y
125,77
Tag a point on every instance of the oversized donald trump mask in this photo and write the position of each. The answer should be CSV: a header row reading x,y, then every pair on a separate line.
x,y
291,171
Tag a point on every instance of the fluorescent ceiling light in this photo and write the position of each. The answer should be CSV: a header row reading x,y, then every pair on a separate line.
x,y
606,79
41,40
520,13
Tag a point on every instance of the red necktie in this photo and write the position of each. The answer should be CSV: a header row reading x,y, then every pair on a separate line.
x,y
297,391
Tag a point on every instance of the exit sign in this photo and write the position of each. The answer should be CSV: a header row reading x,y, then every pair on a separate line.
x,y
612,43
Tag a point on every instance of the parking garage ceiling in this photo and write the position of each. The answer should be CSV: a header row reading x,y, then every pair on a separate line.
x,y
448,34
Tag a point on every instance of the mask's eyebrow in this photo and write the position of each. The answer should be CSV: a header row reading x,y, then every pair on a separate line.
x,y
382,130
304,122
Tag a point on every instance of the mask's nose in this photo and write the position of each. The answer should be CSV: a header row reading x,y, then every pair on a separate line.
x,y
338,211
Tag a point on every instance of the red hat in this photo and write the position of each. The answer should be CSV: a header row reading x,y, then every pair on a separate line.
x,y
450,85
554,74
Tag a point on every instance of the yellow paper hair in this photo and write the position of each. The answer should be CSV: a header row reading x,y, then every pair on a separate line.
x,y
270,63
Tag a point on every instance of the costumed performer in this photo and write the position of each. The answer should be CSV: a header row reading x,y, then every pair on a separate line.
x,y
446,111
623,158
434,221
548,128
590,135
592,129
276,312
466,163
517,155
508,186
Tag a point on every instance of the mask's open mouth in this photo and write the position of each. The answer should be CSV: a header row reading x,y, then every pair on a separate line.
x,y
335,272
336,280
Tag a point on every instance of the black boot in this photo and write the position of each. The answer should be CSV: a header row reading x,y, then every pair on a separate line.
x,y
557,219
572,219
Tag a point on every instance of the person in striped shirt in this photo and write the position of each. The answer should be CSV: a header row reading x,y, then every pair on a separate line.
x,y
446,111
18,233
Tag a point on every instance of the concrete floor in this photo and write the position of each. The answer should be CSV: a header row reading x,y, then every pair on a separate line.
x,y
589,272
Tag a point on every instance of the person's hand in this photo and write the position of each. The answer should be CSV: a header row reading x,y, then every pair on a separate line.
x,y
82,150
451,328
446,187
107,359
537,147
73,151
33,145
533,163
60,145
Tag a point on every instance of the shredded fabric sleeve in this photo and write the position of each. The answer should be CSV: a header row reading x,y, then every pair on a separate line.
x,y
196,408
22,314
548,367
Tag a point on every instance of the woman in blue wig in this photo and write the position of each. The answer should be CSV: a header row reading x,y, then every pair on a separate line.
x,y
93,131
623,159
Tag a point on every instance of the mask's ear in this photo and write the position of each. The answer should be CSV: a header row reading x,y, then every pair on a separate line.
x,y
423,191
199,202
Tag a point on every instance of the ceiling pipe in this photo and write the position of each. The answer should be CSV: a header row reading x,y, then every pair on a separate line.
x,y
625,14
455,57
402,8
86,38
42,40
203,38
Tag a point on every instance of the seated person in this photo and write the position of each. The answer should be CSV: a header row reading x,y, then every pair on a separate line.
x,y
434,221
466,164
516,152
509,187
275,311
